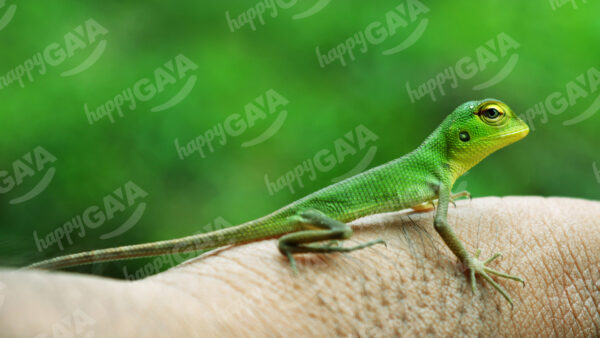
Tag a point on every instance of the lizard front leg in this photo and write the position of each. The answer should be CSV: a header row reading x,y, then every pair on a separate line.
x,y
473,263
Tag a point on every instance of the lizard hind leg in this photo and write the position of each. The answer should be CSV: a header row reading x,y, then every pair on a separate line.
x,y
323,228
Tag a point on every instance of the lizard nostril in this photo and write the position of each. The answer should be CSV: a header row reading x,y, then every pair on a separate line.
x,y
464,136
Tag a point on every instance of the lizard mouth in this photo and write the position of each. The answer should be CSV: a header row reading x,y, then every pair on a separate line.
x,y
515,134
518,133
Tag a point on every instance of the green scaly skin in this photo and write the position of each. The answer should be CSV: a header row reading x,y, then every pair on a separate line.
x,y
468,135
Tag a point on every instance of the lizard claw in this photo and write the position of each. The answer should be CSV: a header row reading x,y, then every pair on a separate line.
x,y
458,195
479,267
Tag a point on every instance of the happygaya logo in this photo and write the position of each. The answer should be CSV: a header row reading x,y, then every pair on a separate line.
x,y
501,49
176,70
120,200
556,4
350,144
583,88
71,47
75,324
177,255
263,107
9,13
124,198
256,14
36,163
410,13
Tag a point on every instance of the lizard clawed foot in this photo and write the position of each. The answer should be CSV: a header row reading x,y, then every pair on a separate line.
x,y
329,247
479,267
458,195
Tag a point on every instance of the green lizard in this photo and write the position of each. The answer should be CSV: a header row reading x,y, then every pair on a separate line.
x,y
417,180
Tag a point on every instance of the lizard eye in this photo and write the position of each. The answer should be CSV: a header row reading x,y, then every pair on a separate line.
x,y
492,115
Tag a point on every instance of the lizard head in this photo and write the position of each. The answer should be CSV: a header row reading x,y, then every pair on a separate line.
x,y
478,128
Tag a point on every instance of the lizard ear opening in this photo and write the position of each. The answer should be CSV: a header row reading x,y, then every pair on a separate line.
x,y
464,136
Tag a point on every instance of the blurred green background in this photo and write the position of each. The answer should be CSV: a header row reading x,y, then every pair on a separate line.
x,y
557,43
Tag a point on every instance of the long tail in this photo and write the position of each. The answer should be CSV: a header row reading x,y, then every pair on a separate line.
x,y
269,226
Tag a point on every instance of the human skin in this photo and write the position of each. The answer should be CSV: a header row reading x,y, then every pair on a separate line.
x,y
413,287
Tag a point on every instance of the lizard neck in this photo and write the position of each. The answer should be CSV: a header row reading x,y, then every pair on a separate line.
x,y
434,153
448,164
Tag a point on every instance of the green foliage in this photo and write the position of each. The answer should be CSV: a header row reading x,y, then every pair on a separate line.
x,y
185,196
